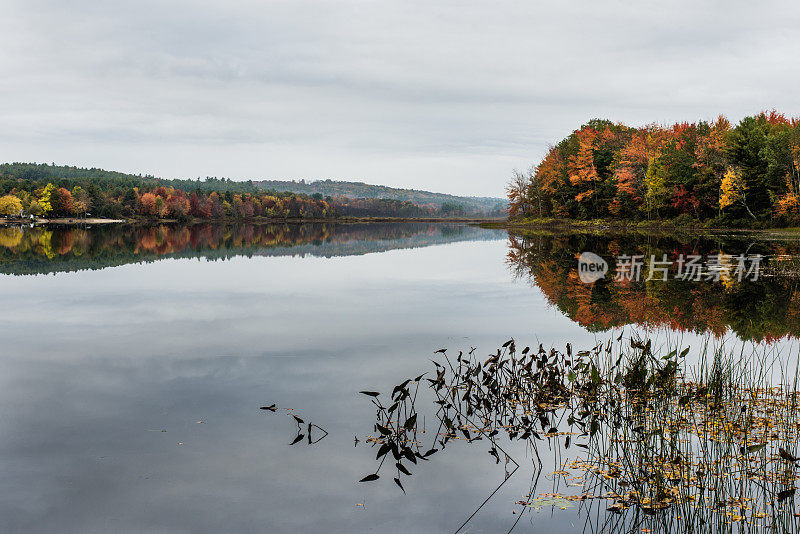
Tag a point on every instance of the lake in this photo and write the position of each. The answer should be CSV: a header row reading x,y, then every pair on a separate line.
x,y
136,359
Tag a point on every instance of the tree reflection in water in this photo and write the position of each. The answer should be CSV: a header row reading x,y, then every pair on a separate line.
x,y
44,249
766,309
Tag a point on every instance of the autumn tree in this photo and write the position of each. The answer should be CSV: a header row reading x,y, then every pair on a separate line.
x,y
582,172
519,196
35,209
44,198
10,205
177,206
629,175
82,202
733,190
605,169
553,186
710,162
199,207
147,204
656,183
62,201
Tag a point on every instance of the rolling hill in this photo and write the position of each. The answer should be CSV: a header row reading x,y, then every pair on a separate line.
x,y
362,190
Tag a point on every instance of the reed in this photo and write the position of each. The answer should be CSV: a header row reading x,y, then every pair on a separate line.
x,y
662,439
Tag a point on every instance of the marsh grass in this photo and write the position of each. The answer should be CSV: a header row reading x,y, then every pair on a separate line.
x,y
707,447
640,438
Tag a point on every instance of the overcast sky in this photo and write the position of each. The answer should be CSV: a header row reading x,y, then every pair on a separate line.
x,y
447,95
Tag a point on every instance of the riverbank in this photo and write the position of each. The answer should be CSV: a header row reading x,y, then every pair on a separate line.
x,y
554,225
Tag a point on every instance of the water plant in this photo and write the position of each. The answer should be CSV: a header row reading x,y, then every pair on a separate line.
x,y
652,436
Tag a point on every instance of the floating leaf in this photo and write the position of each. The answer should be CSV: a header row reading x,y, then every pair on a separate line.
x,y
370,478
555,501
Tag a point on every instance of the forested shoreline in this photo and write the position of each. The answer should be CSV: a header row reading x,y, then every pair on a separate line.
x,y
47,191
707,173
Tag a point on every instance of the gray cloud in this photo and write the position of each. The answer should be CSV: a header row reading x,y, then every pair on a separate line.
x,y
448,97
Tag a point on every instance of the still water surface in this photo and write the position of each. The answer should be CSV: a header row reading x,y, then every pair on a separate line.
x,y
134,362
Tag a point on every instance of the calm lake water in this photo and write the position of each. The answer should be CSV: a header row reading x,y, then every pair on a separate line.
x,y
135,360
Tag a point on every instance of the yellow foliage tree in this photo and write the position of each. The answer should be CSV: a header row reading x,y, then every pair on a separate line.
x,y
655,181
787,204
733,190
45,198
10,205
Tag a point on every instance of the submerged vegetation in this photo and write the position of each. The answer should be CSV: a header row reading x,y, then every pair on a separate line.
x,y
641,440
705,172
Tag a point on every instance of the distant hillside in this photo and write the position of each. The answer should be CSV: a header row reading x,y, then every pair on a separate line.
x,y
334,188
69,175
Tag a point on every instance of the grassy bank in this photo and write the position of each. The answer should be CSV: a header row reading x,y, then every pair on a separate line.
x,y
679,225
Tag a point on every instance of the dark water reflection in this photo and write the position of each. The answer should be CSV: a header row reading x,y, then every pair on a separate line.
x,y
767,308
40,250
96,361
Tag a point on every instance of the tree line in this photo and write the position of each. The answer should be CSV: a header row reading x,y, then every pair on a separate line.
x,y
748,174
48,200
40,190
